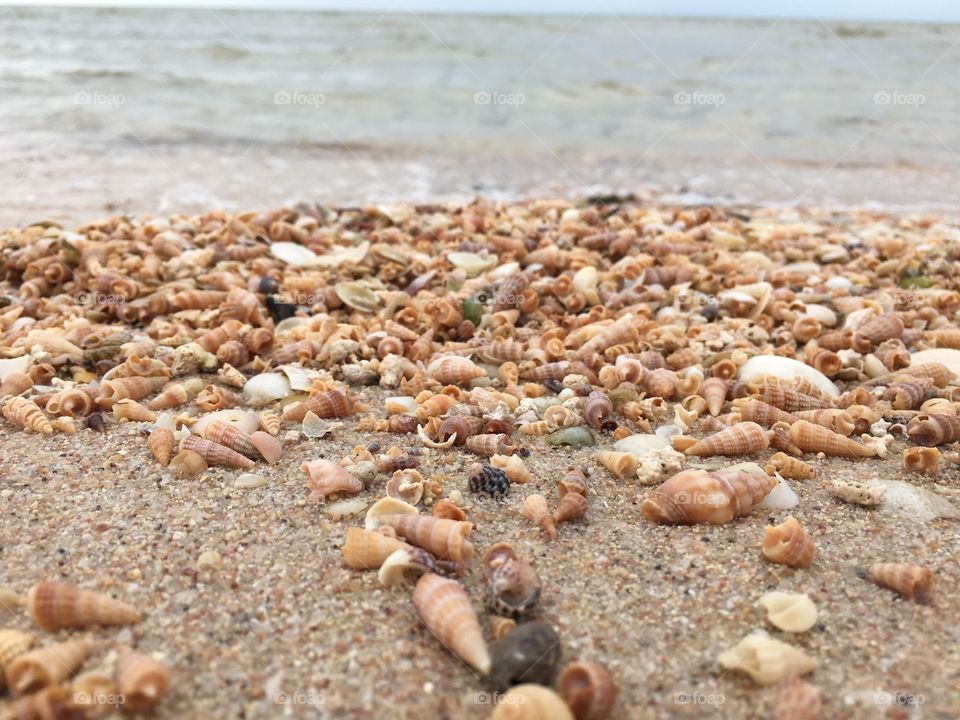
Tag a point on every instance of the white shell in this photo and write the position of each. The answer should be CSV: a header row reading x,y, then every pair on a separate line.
x,y
838,282
785,369
14,365
248,481
641,444
944,356
913,502
400,404
288,324
293,254
344,508
822,314
782,497
472,263
766,660
505,270
387,506
241,419
791,612
265,388
299,378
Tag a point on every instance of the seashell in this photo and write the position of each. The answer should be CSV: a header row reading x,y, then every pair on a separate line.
x,y
912,581
428,442
531,653
513,586
858,493
230,436
214,397
402,424
906,395
940,364
26,414
454,370
56,702
141,680
405,564
531,702
188,463
70,403
447,539
782,497
787,399
132,388
597,409
766,660
879,329
269,422
588,688
406,485
840,421
621,464
660,383
234,353
215,454
558,416
788,544
577,437
445,608
573,481
13,643
513,467
133,411
49,665
536,511
231,376
384,507
760,366
330,404
243,420
368,549
928,429
797,700
94,693
921,459
641,444
490,444
500,626
267,446
172,396
488,480
743,438
56,605
790,612
781,440
572,506
160,443
266,388
435,406
816,438
448,510
714,391
326,478
700,496
791,467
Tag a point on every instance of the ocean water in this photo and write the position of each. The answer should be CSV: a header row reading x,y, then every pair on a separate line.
x,y
164,110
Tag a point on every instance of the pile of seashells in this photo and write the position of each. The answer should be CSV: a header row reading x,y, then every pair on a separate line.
x,y
662,336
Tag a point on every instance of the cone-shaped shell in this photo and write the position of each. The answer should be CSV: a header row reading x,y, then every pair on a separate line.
x,y
911,581
840,421
447,539
743,438
56,605
797,700
141,680
56,702
816,438
368,549
270,422
454,370
621,464
27,414
173,396
215,453
160,443
445,608
232,437
330,404
48,665
535,510
931,430
766,660
134,388
790,467
699,496
325,478
714,391
788,544
878,329
489,444
761,412
788,399
12,644
597,409
781,440
571,506
588,689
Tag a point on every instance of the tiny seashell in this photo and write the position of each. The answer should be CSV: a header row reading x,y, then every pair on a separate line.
x,y
161,443
71,403
588,688
714,391
761,412
188,463
788,544
172,396
141,680
490,444
267,446
329,404
48,665
13,643
513,466
500,626
781,440
597,409
266,388
445,608
454,370
621,464
791,467
269,422
26,414
384,507
931,430
133,388
531,653
54,702
744,438
447,539
488,480
449,510
911,581
791,612
574,436
571,506
858,493
531,702
248,481
230,436
701,496
761,366
816,438
368,549
766,660
429,442
535,510
216,454
797,700
56,605
921,459
132,410
513,586
326,478
406,485
405,564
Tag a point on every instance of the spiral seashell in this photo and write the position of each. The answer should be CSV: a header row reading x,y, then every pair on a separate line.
x,y
464,426
700,496
766,660
536,511
816,438
16,383
502,351
26,414
213,339
447,539
445,608
402,424
589,690
621,464
233,352
404,565
743,438
501,626
788,544
797,700
940,374
49,665
660,383
232,437
531,702
513,467
840,421
161,443
454,370
141,680
13,643
597,409
761,412
513,586
930,430
330,404
171,397
921,459
368,549
132,388
714,391
214,397
559,416
55,702
790,467
490,444
571,506
879,329
133,411
196,299
56,605
269,422
215,453
790,612
787,399
70,403
781,440
912,581
805,328
326,478
574,481
906,395
406,485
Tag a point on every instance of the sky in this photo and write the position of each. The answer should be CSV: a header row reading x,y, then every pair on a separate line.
x,y
892,10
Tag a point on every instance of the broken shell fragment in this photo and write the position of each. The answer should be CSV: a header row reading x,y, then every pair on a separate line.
x,y
326,478
766,660
788,544
791,612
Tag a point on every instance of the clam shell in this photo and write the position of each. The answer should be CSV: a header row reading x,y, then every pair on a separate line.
x,y
266,388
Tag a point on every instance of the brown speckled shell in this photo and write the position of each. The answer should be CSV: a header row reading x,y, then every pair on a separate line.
x,y
743,438
911,581
216,454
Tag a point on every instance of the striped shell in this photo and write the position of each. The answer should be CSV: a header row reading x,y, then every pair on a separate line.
x,y
161,443
714,391
906,395
454,370
837,420
878,329
911,581
70,403
445,608
761,412
788,399
26,414
326,478
571,506
56,605
790,467
330,404
781,440
788,544
597,408
700,496
12,644
447,539
368,549
660,383
270,423
816,438
464,426
535,510
141,680
621,464
172,396
743,438
232,437
490,444
49,665
930,430
589,690
216,454
213,339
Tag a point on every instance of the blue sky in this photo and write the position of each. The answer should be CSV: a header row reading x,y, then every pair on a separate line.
x,y
917,10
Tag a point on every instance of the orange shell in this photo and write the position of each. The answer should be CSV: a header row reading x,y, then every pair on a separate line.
x,y
215,454
714,391
761,412
743,438
27,414
367,549
447,539
454,370
232,437
572,505
329,404
816,438
797,700
911,581
930,430
536,511
45,666
589,689
56,605
141,680
445,608
699,496
788,544
160,443
326,478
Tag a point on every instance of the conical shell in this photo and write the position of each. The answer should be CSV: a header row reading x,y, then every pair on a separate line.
x,y
790,467
743,438
133,388
489,444
513,466
232,437
12,644
572,506
71,403
454,370
816,438
597,409
95,693
368,549
761,412
141,680
173,396
446,610
215,453
837,420
127,409
787,399
270,422
788,544
911,581
621,464
535,510
660,383
781,440
766,660
714,391
330,404
48,665
878,329
51,703
931,430
27,414
56,605
447,539
588,689
464,426
797,700
160,443
699,496
326,478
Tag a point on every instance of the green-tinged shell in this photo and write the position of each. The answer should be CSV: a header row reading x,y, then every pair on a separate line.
x,y
621,396
473,310
357,296
574,436
918,281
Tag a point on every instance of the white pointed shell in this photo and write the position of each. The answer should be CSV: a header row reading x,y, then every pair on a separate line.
x,y
791,612
265,388
782,497
945,356
766,660
785,369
